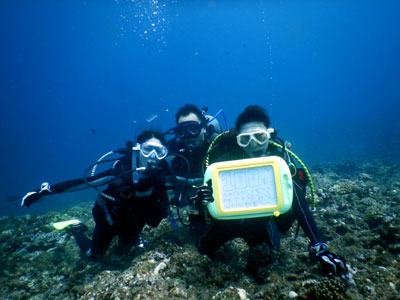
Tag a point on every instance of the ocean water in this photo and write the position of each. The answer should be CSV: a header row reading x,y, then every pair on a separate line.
x,y
76,76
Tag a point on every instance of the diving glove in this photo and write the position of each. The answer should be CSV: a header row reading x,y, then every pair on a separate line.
x,y
31,197
203,197
330,263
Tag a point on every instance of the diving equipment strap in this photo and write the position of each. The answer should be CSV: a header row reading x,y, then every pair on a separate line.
x,y
102,203
305,170
107,196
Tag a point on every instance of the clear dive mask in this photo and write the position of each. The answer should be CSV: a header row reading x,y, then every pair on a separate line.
x,y
147,150
153,150
259,136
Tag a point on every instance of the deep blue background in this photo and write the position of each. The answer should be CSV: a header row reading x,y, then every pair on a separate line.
x,y
327,71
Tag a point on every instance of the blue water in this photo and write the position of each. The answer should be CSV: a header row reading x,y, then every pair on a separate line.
x,y
75,75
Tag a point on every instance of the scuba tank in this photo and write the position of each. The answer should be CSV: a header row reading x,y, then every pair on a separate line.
x,y
213,127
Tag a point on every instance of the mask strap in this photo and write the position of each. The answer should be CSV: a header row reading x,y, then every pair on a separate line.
x,y
269,131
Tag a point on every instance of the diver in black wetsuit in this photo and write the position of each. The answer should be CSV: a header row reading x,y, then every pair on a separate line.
x,y
134,197
193,135
251,139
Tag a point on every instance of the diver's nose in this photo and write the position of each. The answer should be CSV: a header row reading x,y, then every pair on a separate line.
x,y
253,144
153,156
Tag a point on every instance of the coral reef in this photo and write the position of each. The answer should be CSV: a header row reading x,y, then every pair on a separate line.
x,y
358,208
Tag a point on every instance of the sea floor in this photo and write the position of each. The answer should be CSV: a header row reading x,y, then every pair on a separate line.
x,y
357,211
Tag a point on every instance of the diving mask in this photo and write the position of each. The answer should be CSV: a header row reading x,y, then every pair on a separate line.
x,y
150,149
189,129
259,136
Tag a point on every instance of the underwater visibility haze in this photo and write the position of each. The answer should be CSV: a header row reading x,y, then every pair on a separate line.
x,y
77,77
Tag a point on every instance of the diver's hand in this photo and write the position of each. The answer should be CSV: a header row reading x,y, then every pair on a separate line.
x,y
32,197
205,194
203,197
330,262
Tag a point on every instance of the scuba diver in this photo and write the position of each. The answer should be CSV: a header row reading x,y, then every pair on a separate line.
x,y
136,195
193,132
251,138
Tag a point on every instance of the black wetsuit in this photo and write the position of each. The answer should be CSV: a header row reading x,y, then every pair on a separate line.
x,y
194,156
254,231
123,208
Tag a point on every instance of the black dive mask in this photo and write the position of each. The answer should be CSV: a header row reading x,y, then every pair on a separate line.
x,y
189,129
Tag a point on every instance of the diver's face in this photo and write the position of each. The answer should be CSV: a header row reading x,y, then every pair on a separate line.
x,y
256,146
189,140
151,160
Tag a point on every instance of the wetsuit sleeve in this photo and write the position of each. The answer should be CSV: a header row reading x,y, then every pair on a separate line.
x,y
79,184
303,214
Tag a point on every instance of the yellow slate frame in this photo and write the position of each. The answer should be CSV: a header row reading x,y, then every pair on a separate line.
x,y
279,166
